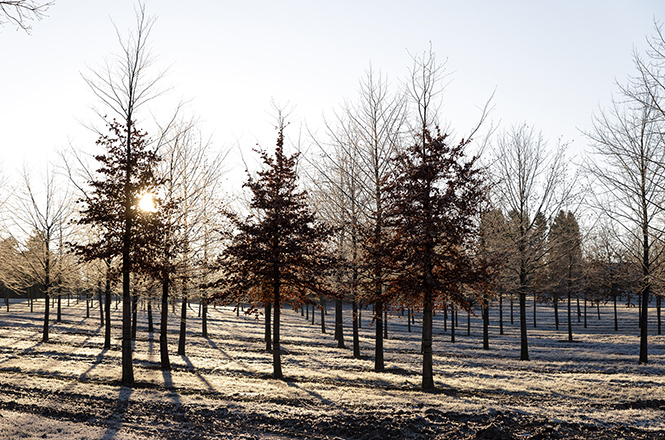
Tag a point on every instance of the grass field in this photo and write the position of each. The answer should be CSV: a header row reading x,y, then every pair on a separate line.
x,y
69,387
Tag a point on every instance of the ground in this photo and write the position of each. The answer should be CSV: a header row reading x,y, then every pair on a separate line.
x,y
69,387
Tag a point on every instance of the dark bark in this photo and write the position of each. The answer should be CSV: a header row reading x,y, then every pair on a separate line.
x,y
183,326
452,324
486,321
524,344
356,336
163,325
276,347
555,302
339,325
570,317
616,315
135,303
59,310
428,374
500,313
151,327
101,305
378,346
268,329
107,309
204,319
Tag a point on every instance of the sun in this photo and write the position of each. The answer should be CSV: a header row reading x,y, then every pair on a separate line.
x,y
147,203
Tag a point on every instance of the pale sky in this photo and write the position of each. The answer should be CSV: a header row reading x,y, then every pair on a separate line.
x,y
552,63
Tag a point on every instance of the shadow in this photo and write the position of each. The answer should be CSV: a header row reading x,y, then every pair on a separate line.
x,y
23,352
117,418
231,358
313,394
191,368
98,360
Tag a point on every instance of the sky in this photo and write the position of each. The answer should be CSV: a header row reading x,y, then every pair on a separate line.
x,y
551,64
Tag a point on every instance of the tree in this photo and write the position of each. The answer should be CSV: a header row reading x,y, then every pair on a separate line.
x,y
191,173
124,85
111,209
565,267
531,187
629,168
21,12
40,221
435,202
280,251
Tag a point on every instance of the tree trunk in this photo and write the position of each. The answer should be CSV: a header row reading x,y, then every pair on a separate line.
x,y
59,312
445,318
468,323
107,310
616,315
87,306
356,337
163,326
570,317
500,313
204,319
151,327
658,300
307,312
639,311
378,346
535,303
135,303
183,325
585,311
47,303
428,374
512,320
408,320
276,348
323,318
645,324
555,301
339,329
486,321
268,336
385,324
524,344
101,305
452,323
579,310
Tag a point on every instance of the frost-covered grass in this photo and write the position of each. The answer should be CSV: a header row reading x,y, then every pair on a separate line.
x,y
69,387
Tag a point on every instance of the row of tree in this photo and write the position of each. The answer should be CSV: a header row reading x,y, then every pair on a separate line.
x,y
397,214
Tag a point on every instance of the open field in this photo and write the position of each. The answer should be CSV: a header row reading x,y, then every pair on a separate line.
x,y
68,388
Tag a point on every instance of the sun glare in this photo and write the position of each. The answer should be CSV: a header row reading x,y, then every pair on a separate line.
x,y
147,203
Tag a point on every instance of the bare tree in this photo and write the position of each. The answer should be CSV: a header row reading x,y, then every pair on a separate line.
x,y
40,220
629,167
191,171
531,187
124,85
21,12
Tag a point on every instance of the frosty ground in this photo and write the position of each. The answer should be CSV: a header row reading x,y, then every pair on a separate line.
x,y
69,388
